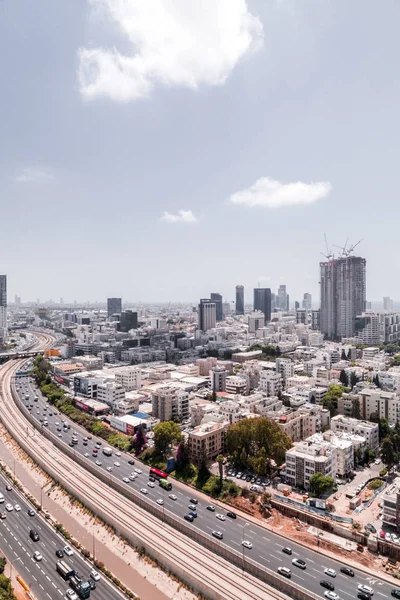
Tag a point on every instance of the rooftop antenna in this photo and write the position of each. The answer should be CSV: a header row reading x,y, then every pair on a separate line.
x,y
329,254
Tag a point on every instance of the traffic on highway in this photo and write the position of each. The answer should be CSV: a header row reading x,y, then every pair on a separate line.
x,y
34,550
320,574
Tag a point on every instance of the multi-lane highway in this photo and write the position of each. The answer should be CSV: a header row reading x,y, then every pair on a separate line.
x,y
266,547
19,548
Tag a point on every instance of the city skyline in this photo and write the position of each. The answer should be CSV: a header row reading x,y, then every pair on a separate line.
x,y
262,137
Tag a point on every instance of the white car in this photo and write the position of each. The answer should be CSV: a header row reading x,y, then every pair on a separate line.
x,y
98,463
160,501
173,497
94,575
144,491
138,471
150,484
132,477
109,469
117,464
86,453
125,479
9,507
118,454
331,595
17,507
247,544
388,537
68,550
71,595
37,556
330,572
366,589
220,517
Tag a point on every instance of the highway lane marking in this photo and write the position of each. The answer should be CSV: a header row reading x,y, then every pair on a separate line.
x,y
278,557
253,532
265,558
295,575
311,575
347,593
380,593
264,538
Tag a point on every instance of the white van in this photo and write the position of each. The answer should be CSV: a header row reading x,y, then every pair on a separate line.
x,y
107,451
1,498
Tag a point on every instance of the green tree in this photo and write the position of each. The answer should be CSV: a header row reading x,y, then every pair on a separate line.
x,y
388,453
356,409
182,456
319,484
166,434
213,396
353,379
343,378
331,397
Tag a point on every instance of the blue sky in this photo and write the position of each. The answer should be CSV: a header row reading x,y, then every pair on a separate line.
x,y
159,150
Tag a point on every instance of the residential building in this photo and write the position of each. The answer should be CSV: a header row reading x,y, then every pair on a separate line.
x,y
262,301
128,320
206,364
283,298
207,441
239,305
130,404
256,321
207,314
226,309
235,385
299,424
218,379
343,295
284,366
217,299
110,393
242,357
170,404
302,316
130,378
270,382
316,320
307,301
384,405
307,458
158,323
370,431
391,505
344,452
114,306
3,307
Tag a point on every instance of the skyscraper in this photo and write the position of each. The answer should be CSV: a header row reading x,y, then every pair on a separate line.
x,y
282,298
207,314
307,301
217,298
3,306
262,301
114,306
343,295
387,303
128,320
239,300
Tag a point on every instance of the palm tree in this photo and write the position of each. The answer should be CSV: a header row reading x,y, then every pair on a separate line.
x,y
220,461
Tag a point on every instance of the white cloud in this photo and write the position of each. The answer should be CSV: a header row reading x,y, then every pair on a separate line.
x,y
269,193
182,216
33,175
184,43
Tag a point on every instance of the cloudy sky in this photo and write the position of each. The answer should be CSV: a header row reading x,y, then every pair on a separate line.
x,y
160,150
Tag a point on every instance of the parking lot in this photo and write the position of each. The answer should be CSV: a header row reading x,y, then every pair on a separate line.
x,y
243,479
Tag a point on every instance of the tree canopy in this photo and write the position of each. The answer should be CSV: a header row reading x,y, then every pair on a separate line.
x,y
388,453
253,443
331,397
166,434
320,483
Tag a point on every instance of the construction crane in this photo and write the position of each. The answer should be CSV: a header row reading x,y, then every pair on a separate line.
x,y
346,251
329,254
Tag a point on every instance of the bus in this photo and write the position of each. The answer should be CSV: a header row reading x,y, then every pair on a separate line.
x,y
158,474
166,485
65,570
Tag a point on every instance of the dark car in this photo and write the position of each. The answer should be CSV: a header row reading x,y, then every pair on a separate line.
x,y
362,596
34,535
84,443
231,514
31,512
189,518
193,501
193,513
71,444
131,462
211,508
59,553
327,584
395,593
347,571
248,478
151,478
92,584
287,550
8,488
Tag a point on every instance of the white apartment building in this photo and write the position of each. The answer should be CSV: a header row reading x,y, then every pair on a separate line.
x,y
170,404
390,380
299,424
366,429
235,385
344,451
129,404
129,378
205,365
285,367
218,379
370,353
307,458
110,392
385,404
391,505
190,370
270,382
